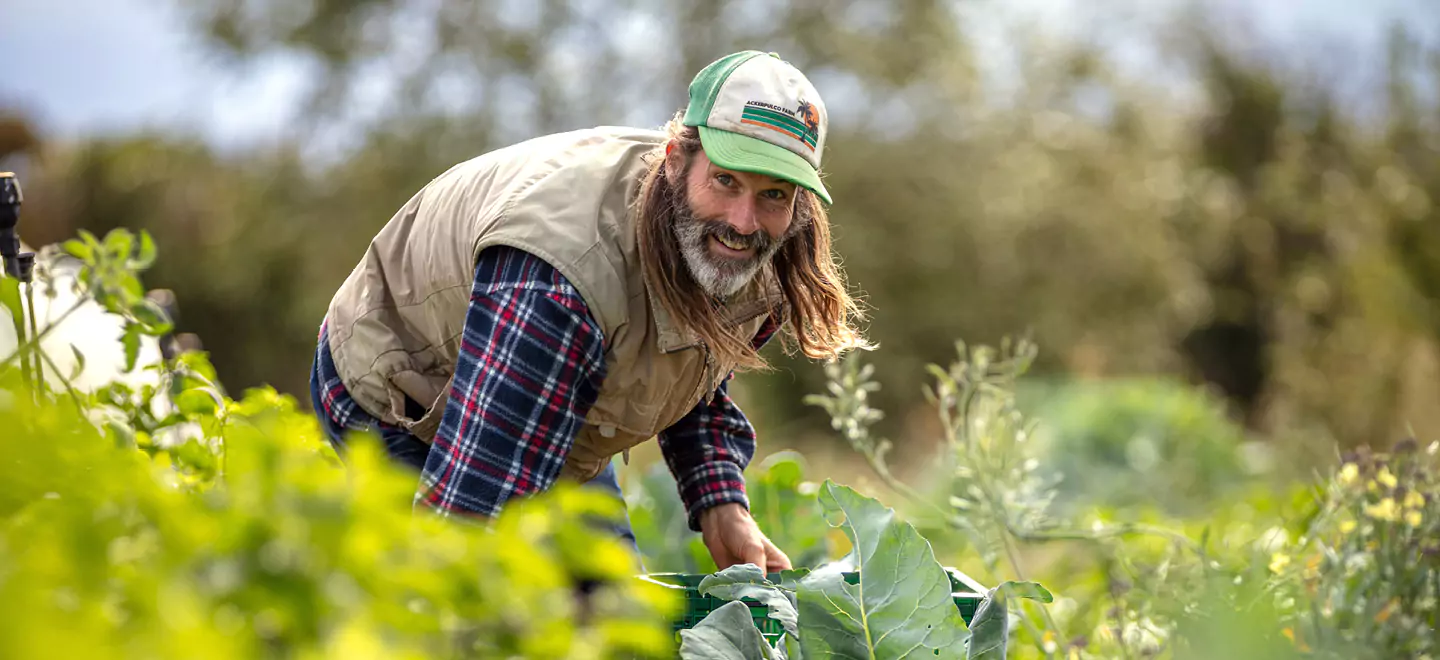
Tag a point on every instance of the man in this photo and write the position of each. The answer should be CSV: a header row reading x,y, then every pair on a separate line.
x,y
537,310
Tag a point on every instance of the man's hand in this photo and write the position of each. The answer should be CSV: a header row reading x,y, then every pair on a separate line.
x,y
733,538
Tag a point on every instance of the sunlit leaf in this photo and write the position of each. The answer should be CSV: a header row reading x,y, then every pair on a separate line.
x,y
746,581
131,341
152,318
728,633
79,362
79,249
195,402
145,256
119,244
989,628
901,606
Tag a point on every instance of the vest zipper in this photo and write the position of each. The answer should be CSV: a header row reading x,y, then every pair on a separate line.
x,y
705,376
709,395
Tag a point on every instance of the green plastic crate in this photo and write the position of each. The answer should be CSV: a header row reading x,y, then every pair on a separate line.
x,y
966,592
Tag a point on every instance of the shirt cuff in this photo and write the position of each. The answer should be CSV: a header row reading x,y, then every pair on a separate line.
x,y
710,485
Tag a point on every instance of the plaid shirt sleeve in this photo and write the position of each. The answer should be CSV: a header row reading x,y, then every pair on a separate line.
x,y
708,449
530,366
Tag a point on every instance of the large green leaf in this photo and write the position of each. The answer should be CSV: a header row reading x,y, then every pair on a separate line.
x,y
746,581
989,629
728,633
901,606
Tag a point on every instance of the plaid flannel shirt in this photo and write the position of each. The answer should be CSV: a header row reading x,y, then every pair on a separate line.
x,y
530,366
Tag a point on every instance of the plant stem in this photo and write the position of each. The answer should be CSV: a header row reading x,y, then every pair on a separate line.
x,y
1007,538
1014,559
30,303
34,342
1124,529
69,388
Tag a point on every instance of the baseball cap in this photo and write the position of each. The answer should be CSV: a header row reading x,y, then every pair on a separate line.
x,y
758,113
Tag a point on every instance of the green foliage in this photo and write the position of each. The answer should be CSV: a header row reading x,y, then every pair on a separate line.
x,y
1363,577
898,606
661,527
251,538
166,518
1342,568
1140,440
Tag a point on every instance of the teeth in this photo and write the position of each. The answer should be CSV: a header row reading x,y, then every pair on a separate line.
x,y
729,244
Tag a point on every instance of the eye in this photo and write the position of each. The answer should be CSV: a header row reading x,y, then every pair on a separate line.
x,y
725,179
775,194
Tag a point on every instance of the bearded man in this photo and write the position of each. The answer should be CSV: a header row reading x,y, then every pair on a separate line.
x,y
535,311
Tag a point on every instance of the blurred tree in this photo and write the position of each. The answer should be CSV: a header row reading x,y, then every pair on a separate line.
x,y
16,136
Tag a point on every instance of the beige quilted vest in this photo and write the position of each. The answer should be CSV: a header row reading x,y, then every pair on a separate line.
x,y
395,324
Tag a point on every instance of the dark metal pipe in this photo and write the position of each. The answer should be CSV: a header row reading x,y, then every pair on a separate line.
x,y
10,200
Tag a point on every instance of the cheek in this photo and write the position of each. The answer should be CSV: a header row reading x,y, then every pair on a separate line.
x,y
703,202
779,222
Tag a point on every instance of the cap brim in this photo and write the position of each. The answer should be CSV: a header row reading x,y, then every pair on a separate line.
x,y
734,151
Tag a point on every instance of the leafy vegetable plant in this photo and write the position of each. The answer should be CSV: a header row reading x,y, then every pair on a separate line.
x,y
900,605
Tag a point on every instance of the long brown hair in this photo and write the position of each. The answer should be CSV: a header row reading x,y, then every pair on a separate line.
x,y
818,310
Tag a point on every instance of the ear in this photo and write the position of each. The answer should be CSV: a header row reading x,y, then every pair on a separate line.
x,y
674,161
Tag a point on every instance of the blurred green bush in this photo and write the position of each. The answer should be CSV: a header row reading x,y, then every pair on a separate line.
x,y
1116,443
171,521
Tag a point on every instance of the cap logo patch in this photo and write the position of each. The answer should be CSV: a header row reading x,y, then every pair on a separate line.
x,y
803,123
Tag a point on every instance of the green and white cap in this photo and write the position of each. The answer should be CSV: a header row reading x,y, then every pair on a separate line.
x,y
758,113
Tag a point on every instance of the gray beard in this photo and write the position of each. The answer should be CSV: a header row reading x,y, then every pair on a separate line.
x,y
718,276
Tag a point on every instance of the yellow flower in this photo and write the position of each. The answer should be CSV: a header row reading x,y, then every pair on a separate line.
x,y
1414,500
1048,641
1347,526
1349,473
1278,562
1386,478
1413,518
1299,643
1384,614
1104,633
1385,510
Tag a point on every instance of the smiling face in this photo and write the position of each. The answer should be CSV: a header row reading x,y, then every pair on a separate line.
x,y
729,223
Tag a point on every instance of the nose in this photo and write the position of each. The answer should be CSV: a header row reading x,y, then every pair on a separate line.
x,y
742,216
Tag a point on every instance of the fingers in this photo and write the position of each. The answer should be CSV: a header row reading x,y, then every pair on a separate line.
x,y
752,551
721,554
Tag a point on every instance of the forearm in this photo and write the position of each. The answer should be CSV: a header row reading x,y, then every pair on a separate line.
x,y
707,452
529,369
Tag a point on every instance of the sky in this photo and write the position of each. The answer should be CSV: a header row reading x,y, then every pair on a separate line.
x,y
80,68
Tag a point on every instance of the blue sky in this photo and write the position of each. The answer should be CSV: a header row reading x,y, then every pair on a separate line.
x,y
82,67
